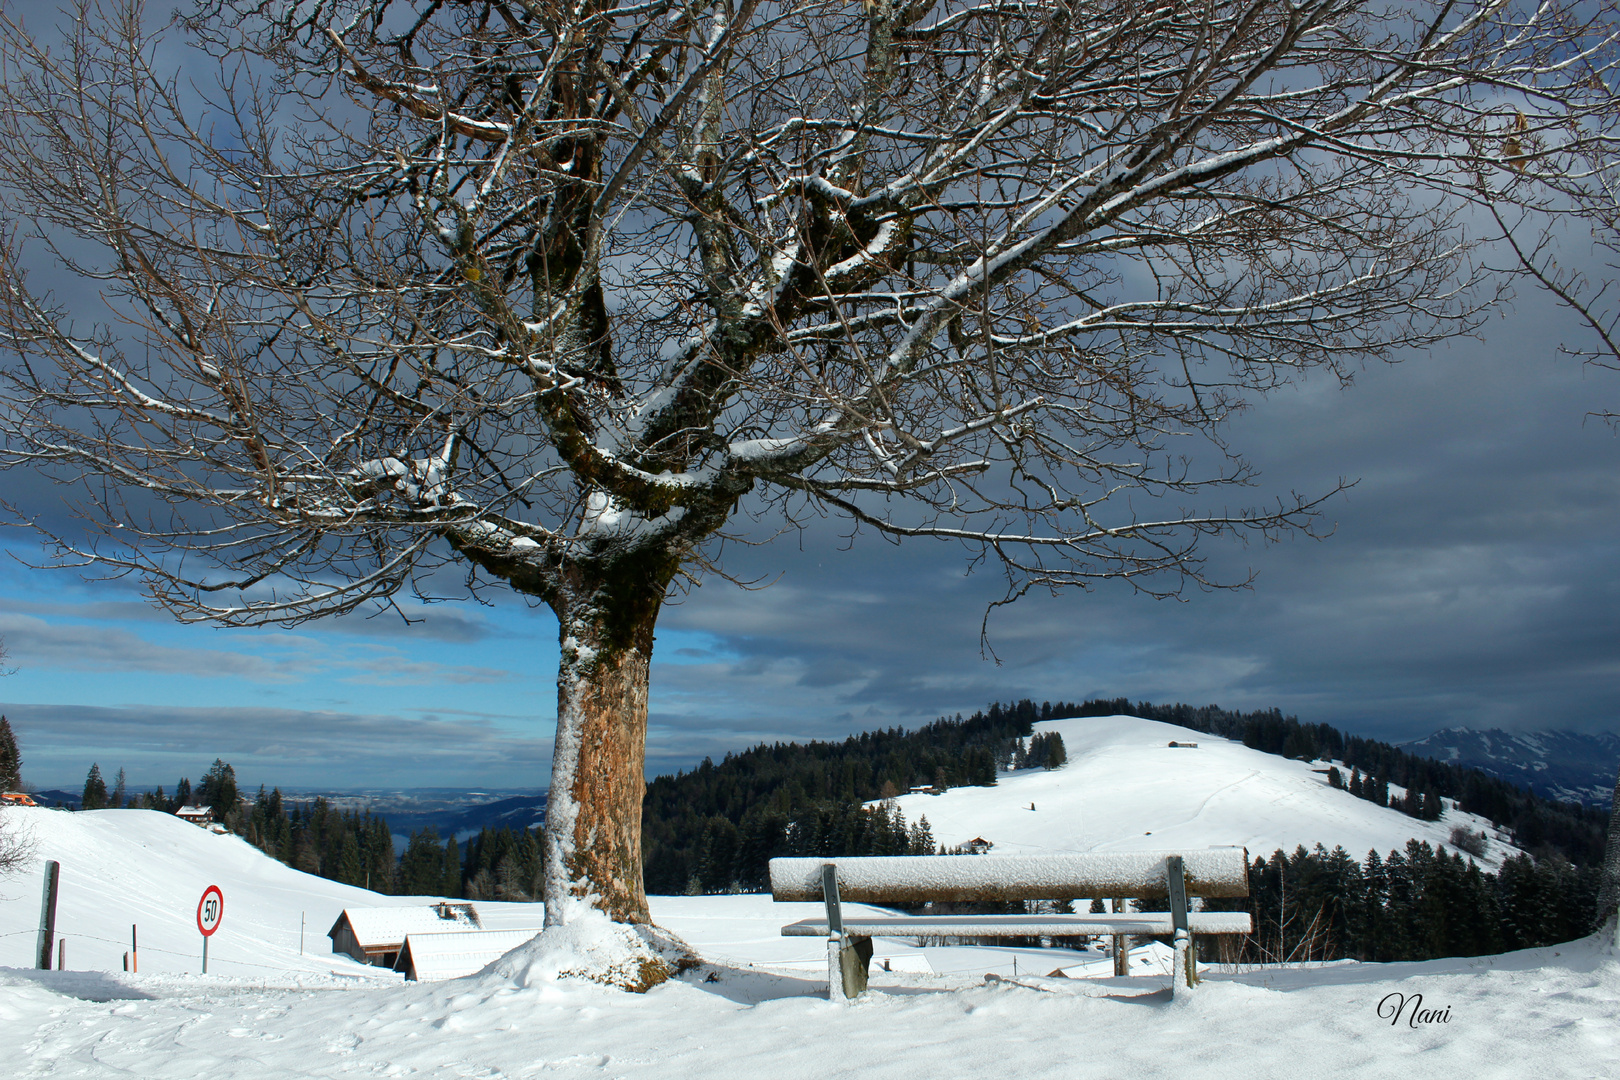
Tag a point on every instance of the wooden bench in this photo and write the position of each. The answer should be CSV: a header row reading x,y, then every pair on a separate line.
x,y
914,879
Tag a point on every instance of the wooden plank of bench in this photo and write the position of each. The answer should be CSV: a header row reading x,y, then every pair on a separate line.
x,y
1221,872
1145,923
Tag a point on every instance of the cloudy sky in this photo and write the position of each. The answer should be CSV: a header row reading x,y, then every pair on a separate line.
x,y
1473,578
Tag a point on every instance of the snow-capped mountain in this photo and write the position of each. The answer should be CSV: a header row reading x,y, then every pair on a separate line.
x,y
1564,765
1133,784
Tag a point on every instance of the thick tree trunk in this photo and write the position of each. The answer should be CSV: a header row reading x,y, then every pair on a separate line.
x,y
593,810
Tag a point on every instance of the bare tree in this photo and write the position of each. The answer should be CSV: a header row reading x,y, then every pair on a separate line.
x,y
554,291
17,847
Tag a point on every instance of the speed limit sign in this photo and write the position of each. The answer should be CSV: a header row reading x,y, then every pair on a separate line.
x,y
210,910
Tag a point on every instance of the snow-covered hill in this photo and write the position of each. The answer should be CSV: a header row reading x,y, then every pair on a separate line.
x,y
142,868
135,867
265,1012
1125,788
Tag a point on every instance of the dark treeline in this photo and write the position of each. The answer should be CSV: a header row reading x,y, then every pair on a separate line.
x,y
357,849
1543,827
735,858
346,846
1419,904
217,792
714,829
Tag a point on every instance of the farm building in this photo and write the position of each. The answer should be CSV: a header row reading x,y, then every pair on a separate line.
x,y
376,935
197,815
430,957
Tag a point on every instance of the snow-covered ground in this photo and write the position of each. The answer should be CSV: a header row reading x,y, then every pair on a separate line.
x,y
1126,789
757,1006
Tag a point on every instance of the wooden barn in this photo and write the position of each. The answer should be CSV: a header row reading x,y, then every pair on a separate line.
x,y
197,815
432,957
376,935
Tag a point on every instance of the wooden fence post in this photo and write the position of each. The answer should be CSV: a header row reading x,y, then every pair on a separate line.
x,y
47,915
1122,943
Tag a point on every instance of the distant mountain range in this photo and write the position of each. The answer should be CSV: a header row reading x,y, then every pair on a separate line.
x,y
1564,765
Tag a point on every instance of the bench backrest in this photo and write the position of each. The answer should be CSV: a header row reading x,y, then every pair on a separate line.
x,y
1221,872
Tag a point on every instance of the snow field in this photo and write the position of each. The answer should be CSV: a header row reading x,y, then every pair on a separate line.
x,y
1540,1013
1126,789
757,1005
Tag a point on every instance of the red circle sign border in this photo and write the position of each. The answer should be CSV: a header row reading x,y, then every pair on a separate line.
x,y
208,931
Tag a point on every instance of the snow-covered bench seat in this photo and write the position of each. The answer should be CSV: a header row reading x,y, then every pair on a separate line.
x,y
901,879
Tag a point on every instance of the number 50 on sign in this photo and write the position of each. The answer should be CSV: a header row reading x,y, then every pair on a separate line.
x,y
210,910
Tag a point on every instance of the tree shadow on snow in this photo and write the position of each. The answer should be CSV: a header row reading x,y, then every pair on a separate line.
x,y
85,985
753,986
750,986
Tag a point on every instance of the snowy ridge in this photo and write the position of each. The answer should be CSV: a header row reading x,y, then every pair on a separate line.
x,y
1126,789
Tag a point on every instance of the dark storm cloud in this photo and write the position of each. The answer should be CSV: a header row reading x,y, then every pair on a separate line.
x,y
280,746
1471,576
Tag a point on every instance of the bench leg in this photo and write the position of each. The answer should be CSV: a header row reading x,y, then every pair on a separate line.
x,y
849,962
1181,972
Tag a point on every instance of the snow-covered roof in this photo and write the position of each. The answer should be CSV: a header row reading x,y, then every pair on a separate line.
x,y
194,811
430,957
386,928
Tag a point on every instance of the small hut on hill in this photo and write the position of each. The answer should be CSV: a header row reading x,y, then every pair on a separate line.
x,y
197,815
376,935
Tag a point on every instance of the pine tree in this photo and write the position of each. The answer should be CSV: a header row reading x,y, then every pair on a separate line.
x,y
351,869
120,791
182,795
421,867
450,877
10,759
95,790
218,789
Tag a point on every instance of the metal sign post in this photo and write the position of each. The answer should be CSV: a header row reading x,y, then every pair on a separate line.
x,y
210,912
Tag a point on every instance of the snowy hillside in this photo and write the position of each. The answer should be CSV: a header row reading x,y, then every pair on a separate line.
x,y
149,869
757,1005
1125,788
123,867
